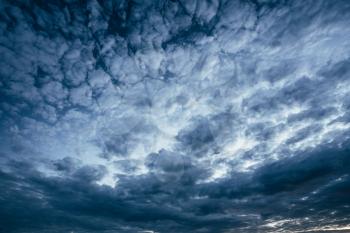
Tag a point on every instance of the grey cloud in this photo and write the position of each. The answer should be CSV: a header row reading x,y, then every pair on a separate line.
x,y
174,116
199,137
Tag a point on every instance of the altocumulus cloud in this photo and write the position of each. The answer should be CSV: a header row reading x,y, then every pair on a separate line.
x,y
174,116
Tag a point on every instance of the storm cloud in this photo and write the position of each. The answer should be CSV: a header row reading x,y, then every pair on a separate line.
x,y
174,116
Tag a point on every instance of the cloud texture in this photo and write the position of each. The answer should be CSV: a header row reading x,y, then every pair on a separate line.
x,y
174,116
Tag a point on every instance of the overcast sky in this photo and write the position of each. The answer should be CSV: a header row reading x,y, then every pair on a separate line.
x,y
174,116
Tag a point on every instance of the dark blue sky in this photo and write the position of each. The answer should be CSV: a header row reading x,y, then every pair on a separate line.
x,y
174,116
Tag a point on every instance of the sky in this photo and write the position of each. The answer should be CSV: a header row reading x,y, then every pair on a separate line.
x,y
174,116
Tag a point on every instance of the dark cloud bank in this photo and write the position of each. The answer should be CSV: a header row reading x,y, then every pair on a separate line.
x,y
174,116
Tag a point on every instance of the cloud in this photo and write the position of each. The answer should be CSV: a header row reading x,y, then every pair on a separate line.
x,y
174,116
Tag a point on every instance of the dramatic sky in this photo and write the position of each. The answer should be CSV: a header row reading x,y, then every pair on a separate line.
x,y
174,116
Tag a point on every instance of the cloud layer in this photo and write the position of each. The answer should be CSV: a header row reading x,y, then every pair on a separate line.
x,y
174,116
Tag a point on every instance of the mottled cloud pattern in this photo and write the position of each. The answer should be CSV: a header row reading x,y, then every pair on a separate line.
x,y
174,116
